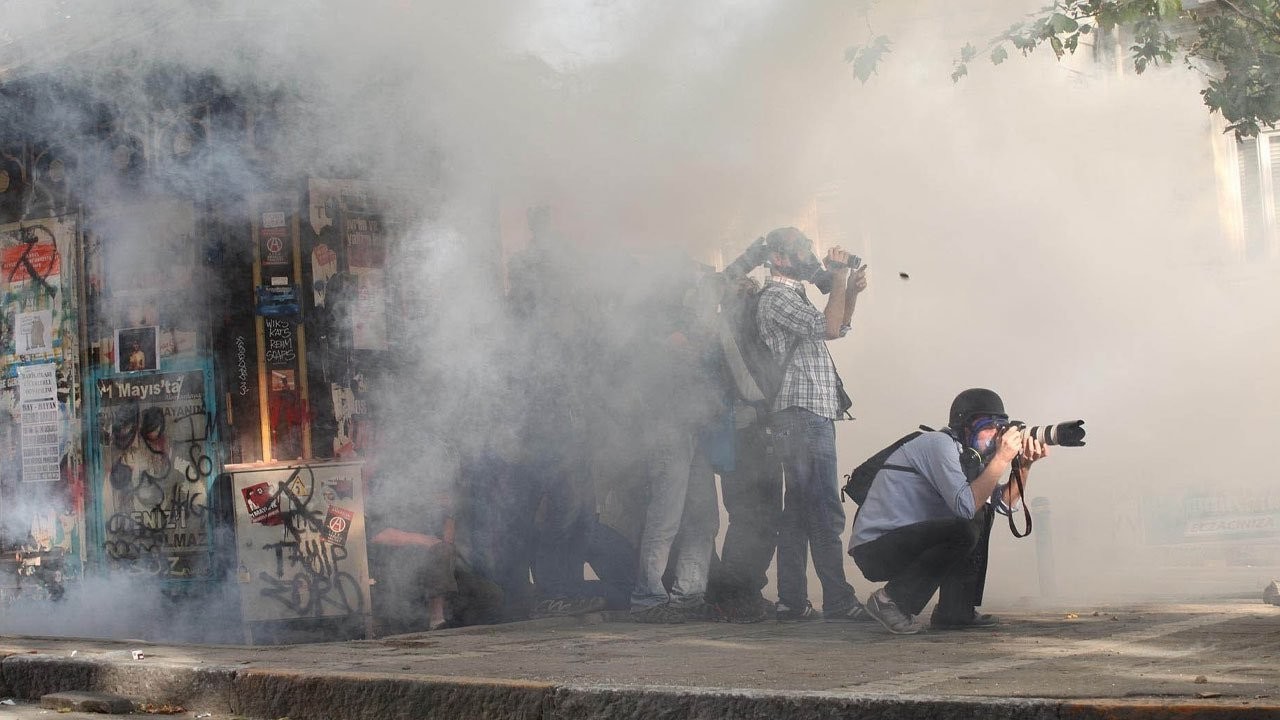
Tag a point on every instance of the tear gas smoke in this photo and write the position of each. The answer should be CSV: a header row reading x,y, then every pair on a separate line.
x,y
1027,196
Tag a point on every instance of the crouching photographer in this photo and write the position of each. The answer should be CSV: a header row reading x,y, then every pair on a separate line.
x,y
926,519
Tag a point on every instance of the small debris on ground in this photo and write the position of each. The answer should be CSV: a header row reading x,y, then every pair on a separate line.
x,y
1201,680
8,701
1207,695
137,654
1072,616
162,709
204,715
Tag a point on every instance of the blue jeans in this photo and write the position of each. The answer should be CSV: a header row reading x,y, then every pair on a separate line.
x,y
682,501
812,515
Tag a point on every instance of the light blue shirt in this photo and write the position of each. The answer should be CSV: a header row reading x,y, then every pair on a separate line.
x,y
899,498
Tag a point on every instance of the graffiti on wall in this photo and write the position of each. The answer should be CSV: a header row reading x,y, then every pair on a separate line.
x,y
157,469
301,537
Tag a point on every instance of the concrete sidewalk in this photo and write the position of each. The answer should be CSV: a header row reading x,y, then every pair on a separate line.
x,y
1211,660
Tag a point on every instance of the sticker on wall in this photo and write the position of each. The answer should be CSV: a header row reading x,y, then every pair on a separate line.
x,y
34,332
337,523
324,265
278,301
137,349
262,504
344,408
283,380
276,248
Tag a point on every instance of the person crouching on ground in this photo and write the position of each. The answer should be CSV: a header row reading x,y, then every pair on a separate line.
x,y
928,514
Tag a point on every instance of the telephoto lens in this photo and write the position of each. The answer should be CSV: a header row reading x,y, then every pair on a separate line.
x,y
1066,434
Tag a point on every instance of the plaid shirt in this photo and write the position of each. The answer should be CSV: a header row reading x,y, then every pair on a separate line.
x,y
786,317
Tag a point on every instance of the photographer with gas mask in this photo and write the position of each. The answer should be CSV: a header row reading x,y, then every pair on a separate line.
x,y
926,520
810,397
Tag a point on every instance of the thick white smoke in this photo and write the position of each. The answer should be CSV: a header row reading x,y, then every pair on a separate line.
x,y
1060,233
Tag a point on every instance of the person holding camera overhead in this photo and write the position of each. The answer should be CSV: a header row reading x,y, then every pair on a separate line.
x,y
809,398
927,516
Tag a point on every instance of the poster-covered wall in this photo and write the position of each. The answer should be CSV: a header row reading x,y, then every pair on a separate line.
x,y
151,403
157,458
41,460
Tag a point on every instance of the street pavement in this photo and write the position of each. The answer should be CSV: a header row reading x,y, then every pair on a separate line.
x,y
1211,659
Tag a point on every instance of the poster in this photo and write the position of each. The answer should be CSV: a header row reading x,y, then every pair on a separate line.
x,y
137,349
369,318
39,417
33,333
41,458
157,466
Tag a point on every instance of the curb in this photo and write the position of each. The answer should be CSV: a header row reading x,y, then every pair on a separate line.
x,y
366,696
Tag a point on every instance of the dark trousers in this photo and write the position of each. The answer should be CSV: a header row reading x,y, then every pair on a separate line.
x,y
752,495
614,561
918,560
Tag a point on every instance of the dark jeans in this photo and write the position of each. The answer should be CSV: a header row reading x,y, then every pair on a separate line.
x,y
918,559
568,506
752,496
614,561
812,516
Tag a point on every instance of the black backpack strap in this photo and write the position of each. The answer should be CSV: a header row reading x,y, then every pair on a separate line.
x,y
902,468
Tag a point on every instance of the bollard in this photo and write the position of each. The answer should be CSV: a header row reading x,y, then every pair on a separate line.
x,y
1044,547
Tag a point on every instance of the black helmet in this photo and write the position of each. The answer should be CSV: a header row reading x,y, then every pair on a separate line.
x,y
974,401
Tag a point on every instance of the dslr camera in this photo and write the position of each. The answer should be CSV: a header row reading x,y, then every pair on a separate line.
x,y
1066,434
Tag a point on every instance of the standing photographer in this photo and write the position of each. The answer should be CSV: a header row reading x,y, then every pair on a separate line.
x,y
927,517
809,400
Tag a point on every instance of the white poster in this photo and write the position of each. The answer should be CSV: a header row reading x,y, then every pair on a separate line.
x,y
34,332
38,398
369,318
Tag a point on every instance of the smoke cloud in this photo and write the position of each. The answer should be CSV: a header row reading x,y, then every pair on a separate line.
x,y
1059,225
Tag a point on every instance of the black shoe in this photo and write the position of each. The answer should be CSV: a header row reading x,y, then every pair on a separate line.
x,y
662,613
940,621
742,611
566,607
785,614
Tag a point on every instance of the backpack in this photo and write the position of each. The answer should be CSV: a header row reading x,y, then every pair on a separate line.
x,y
756,375
858,481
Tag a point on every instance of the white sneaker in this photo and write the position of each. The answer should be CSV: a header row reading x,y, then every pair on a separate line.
x,y
894,620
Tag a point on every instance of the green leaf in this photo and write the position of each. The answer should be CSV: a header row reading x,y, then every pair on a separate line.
x,y
1168,8
867,58
1085,29
1060,23
1056,44
999,55
1140,65
960,71
968,53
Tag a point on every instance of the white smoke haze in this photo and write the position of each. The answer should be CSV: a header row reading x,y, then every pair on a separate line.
x,y
1061,233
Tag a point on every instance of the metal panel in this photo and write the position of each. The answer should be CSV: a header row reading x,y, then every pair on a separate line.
x,y
300,542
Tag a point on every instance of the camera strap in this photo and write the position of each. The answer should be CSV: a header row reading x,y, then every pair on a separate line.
x,y
1017,478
